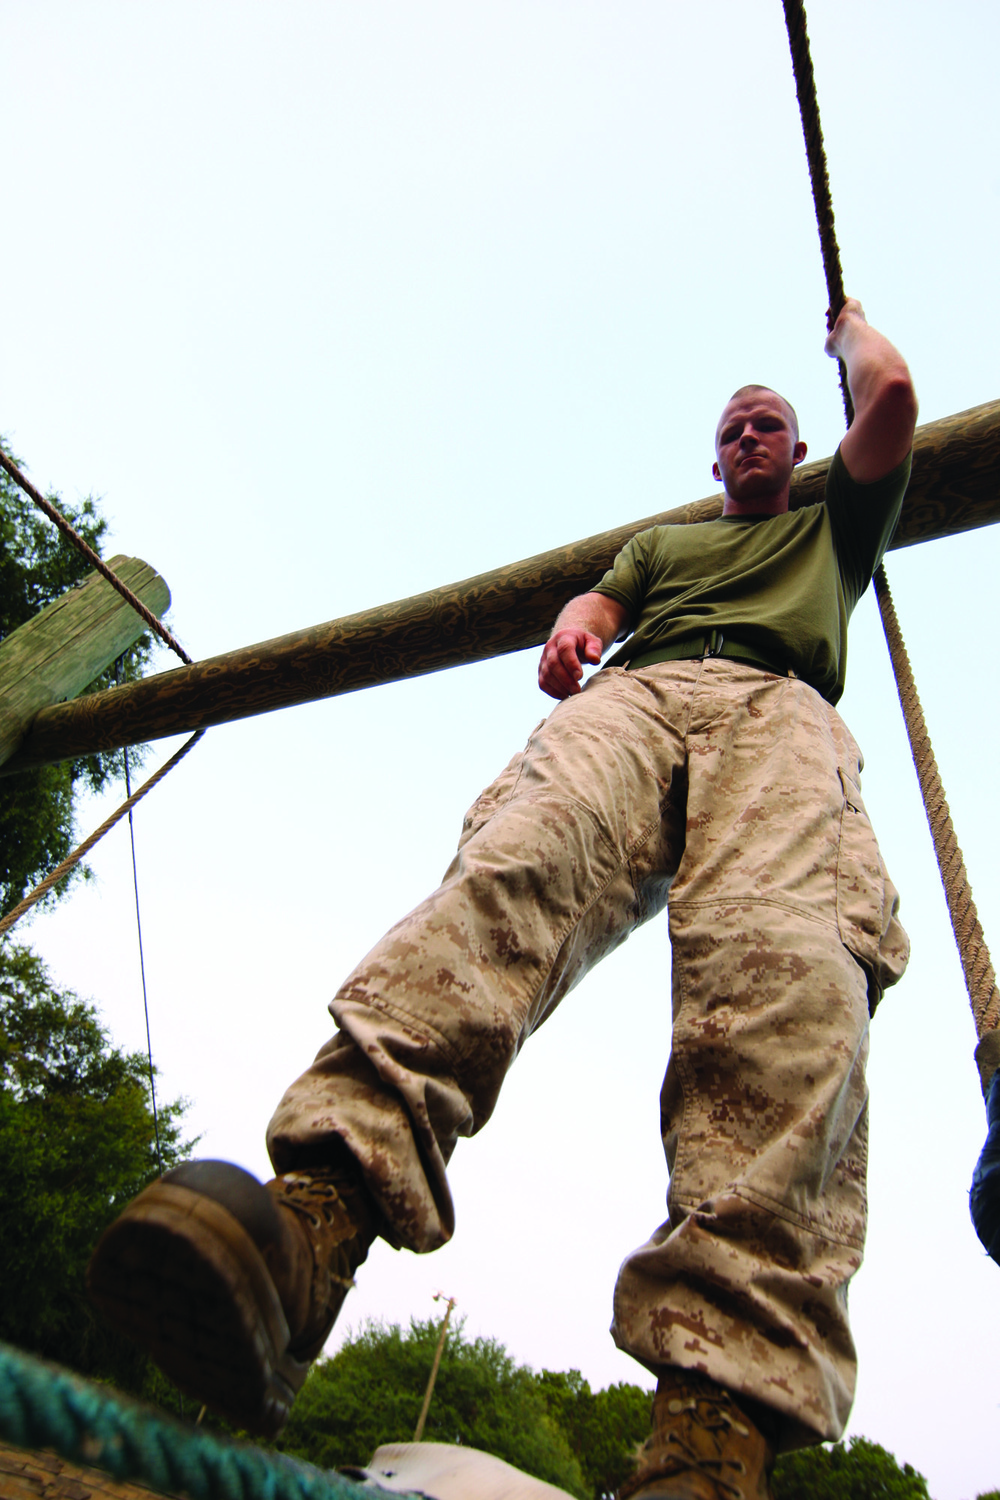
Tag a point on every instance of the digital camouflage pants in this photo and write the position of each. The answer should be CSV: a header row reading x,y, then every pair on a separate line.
x,y
730,795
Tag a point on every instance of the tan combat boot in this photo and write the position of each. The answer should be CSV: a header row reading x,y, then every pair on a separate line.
x,y
231,1285
703,1446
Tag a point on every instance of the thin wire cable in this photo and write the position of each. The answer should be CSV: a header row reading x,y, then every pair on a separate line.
x,y
58,519
142,971
977,969
142,959
42,889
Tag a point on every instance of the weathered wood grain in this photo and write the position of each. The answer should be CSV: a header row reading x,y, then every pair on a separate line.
x,y
954,488
66,645
30,1474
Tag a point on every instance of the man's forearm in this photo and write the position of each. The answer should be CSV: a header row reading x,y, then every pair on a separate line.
x,y
596,613
872,362
582,633
885,403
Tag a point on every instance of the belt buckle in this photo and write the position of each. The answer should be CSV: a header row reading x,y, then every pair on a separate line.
x,y
713,644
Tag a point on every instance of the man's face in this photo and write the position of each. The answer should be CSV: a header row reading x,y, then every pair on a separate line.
x,y
756,449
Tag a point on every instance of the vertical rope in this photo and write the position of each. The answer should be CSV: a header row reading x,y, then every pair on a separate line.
x,y
819,176
980,980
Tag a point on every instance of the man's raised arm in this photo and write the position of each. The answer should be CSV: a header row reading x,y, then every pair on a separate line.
x,y
583,632
885,403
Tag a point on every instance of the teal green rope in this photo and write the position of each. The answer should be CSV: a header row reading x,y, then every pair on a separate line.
x,y
42,1406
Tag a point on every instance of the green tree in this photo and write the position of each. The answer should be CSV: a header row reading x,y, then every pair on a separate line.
x,y
76,1143
605,1428
861,1470
370,1393
37,826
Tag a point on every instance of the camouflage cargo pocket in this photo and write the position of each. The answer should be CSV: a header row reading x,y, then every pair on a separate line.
x,y
860,878
493,797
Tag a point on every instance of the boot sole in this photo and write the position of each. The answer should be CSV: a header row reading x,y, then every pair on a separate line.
x,y
181,1277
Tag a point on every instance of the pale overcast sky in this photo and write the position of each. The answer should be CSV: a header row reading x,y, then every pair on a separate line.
x,y
331,303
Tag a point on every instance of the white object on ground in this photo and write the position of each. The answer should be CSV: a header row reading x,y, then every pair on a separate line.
x,y
447,1471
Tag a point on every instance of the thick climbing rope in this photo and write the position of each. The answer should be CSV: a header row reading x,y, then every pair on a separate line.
x,y
980,979
43,1406
819,176
42,889
58,519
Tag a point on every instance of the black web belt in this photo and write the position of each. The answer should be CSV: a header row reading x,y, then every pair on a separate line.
x,y
714,643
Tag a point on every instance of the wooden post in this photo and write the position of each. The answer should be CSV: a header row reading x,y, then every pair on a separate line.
x,y
428,1393
66,645
954,488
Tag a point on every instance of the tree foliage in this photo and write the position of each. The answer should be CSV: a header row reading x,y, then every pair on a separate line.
x,y
371,1391
37,807
76,1143
858,1470
551,1425
605,1428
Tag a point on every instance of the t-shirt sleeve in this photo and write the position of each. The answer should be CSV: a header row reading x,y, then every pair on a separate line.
x,y
626,579
863,518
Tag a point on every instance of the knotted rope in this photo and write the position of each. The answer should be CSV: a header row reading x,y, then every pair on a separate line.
x,y
980,979
43,1406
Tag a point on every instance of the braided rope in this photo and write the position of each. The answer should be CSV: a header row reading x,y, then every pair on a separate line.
x,y
58,519
980,980
44,886
819,176
43,1406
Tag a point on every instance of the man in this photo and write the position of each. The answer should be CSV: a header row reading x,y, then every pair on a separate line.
x,y
706,763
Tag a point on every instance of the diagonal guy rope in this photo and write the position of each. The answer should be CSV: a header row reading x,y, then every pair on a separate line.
x,y
980,979
58,519
156,625
43,888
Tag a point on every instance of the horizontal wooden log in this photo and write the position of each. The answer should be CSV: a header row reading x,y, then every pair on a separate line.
x,y
66,645
954,488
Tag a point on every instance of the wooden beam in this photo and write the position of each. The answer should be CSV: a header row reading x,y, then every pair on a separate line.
x,y
66,645
954,488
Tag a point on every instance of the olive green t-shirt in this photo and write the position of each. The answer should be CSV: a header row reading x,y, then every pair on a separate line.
x,y
782,585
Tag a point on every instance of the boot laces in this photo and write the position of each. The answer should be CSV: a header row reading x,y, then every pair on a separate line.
x,y
671,1451
320,1198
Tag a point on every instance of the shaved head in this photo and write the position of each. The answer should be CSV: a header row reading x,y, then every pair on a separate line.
x,y
750,390
757,445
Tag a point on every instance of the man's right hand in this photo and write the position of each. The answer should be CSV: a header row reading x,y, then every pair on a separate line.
x,y
885,404
561,666
587,625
